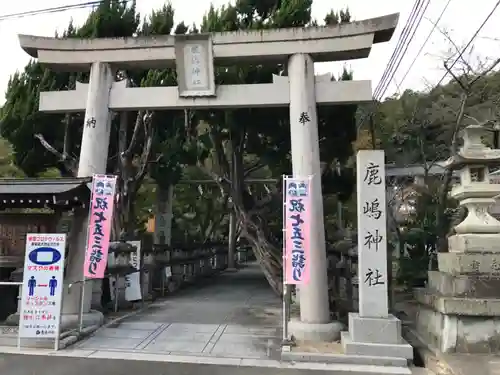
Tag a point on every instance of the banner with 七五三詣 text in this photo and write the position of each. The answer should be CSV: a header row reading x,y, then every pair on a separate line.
x,y
99,231
297,227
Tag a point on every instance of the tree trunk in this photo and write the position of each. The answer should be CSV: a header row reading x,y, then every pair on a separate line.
x,y
232,239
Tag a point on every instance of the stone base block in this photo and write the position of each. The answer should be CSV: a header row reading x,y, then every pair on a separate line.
x,y
375,330
487,307
471,286
458,333
351,347
469,263
472,243
315,332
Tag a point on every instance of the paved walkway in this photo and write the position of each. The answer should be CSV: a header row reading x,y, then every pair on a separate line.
x,y
235,316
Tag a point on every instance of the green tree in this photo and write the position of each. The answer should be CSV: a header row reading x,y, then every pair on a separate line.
x,y
135,137
8,169
20,118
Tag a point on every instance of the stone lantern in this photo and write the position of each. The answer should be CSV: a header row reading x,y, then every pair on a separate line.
x,y
459,310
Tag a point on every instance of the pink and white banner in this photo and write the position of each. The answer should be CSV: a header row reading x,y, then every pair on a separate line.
x,y
297,228
99,232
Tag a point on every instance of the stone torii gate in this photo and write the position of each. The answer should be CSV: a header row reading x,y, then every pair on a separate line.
x,y
194,57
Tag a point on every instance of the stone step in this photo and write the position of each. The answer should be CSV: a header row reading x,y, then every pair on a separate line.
x,y
457,305
36,364
403,350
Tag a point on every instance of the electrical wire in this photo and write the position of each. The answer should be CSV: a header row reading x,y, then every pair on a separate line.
x,y
383,86
403,43
401,40
403,54
470,42
474,36
59,9
425,42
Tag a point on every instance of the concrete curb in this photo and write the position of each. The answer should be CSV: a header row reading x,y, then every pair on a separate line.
x,y
343,359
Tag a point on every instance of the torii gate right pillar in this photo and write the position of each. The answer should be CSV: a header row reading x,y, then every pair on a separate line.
x,y
315,323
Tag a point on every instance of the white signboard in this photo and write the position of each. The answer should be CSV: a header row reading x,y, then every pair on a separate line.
x,y
372,234
195,65
42,285
133,280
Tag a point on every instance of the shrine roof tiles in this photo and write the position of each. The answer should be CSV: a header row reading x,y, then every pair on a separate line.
x,y
31,186
44,193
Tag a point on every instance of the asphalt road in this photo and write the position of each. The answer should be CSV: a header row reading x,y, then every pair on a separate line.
x,y
18,364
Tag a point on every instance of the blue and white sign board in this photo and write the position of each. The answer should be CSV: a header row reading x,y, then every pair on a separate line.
x,y
43,283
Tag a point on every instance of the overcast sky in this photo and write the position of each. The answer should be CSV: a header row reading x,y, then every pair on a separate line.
x,y
461,20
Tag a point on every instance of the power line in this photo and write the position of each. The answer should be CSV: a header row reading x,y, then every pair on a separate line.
x,y
401,40
470,42
396,52
420,14
426,40
456,60
59,9
403,43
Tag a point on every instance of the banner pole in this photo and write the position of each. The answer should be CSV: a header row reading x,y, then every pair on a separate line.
x,y
82,303
286,342
57,342
84,279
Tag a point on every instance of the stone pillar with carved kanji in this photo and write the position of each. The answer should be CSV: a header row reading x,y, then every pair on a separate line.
x,y
459,310
373,331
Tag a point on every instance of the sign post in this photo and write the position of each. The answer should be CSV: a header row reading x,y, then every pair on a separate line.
x,y
372,234
43,282
373,330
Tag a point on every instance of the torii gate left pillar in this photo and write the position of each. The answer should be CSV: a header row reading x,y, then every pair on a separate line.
x,y
194,56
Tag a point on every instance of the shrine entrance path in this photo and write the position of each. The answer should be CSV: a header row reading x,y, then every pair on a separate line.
x,y
235,316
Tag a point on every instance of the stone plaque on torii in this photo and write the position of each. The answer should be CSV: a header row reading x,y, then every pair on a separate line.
x,y
194,57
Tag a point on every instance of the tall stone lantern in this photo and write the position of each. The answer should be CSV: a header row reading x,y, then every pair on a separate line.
x,y
459,310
